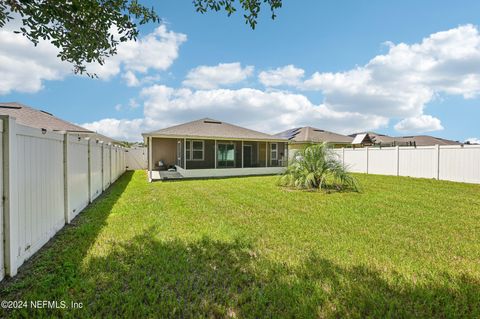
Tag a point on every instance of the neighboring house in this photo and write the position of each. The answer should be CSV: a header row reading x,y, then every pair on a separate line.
x,y
209,148
375,139
28,116
300,137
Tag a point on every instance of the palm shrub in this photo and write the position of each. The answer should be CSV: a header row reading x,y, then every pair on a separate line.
x,y
318,167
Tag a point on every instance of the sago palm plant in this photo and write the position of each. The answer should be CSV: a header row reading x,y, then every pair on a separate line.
x,y
318,167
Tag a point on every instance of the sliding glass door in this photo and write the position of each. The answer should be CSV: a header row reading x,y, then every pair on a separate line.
x,y
225,155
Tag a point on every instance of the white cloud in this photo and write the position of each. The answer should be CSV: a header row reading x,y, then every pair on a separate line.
x,y
473,140
287,75
24,67
260,110
422,123
212,77
130,79
400,83
118,107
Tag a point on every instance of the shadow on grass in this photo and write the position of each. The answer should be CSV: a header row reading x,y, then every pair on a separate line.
x,y
151,278
57,263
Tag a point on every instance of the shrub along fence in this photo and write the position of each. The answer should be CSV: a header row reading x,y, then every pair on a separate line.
x,y
458,163
47,178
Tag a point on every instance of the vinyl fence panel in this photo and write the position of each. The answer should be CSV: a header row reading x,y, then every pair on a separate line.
x,y
356,160
106,165
458,163
136,158
96,163
418,162
78,178
383,161
39,187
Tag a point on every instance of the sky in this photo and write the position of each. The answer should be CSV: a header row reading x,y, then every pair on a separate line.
x,y
404,68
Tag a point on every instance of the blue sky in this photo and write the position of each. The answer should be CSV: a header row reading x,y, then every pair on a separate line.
x,y
211,66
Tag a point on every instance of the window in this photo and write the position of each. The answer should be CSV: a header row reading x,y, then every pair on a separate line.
x,y
274,151
194,150
225,155
197,150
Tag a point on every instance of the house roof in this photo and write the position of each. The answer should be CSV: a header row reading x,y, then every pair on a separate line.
x,y
210,128
418,140
28,116
309,134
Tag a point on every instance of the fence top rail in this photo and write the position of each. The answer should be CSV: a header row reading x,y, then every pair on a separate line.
x,y
462,146
39,133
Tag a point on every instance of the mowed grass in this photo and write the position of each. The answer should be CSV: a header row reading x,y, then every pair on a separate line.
x,y
246,248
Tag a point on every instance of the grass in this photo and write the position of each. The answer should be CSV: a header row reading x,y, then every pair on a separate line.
x,y
244,247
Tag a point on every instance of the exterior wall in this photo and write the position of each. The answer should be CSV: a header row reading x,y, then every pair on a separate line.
x,y
164,149
208,156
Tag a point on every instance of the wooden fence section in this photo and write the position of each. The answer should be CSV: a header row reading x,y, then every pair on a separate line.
x,y
458,163
47,178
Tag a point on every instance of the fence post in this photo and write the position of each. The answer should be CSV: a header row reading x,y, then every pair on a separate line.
x,y
397,150
10,196
65,178
437,162
343,156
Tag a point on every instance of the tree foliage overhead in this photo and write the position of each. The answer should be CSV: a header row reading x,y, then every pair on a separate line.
x,y
88,31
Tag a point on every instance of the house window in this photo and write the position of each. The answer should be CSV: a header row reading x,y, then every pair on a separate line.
x,y
195,150
225,155
274,151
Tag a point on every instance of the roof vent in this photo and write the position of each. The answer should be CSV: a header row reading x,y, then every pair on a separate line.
x,y
10,107
46,112
212,122
317,130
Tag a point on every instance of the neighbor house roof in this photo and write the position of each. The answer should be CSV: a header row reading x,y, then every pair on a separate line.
x,y
209,128
28,116
418,140
309,134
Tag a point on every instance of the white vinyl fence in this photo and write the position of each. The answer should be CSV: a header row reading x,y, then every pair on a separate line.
x,y
136,158
458,163
47,179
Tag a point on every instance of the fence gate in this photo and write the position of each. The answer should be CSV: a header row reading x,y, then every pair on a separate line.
x,y
136,158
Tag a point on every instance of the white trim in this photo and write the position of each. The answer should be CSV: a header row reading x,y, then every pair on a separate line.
x,y
242,154
276,152
191,150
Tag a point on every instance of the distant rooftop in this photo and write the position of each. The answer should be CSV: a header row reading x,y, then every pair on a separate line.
x,y
29,116
309,134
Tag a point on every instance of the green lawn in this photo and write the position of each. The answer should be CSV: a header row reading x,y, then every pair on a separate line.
x,y
243,247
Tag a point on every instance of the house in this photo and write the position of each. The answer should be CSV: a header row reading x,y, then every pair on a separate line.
x,y
211,148
376,139
300,137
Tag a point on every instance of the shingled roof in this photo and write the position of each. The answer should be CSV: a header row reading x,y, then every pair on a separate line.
x,y
28,116
210,128
309,134
418,140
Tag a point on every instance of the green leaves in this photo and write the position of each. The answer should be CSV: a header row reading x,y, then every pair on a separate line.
x,y
89,31
317,167
250,7
84,31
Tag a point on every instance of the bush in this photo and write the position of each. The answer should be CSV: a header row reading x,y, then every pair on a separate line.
x,y
318,167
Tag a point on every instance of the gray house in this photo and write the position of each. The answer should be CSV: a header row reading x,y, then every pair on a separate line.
x,y
211,148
